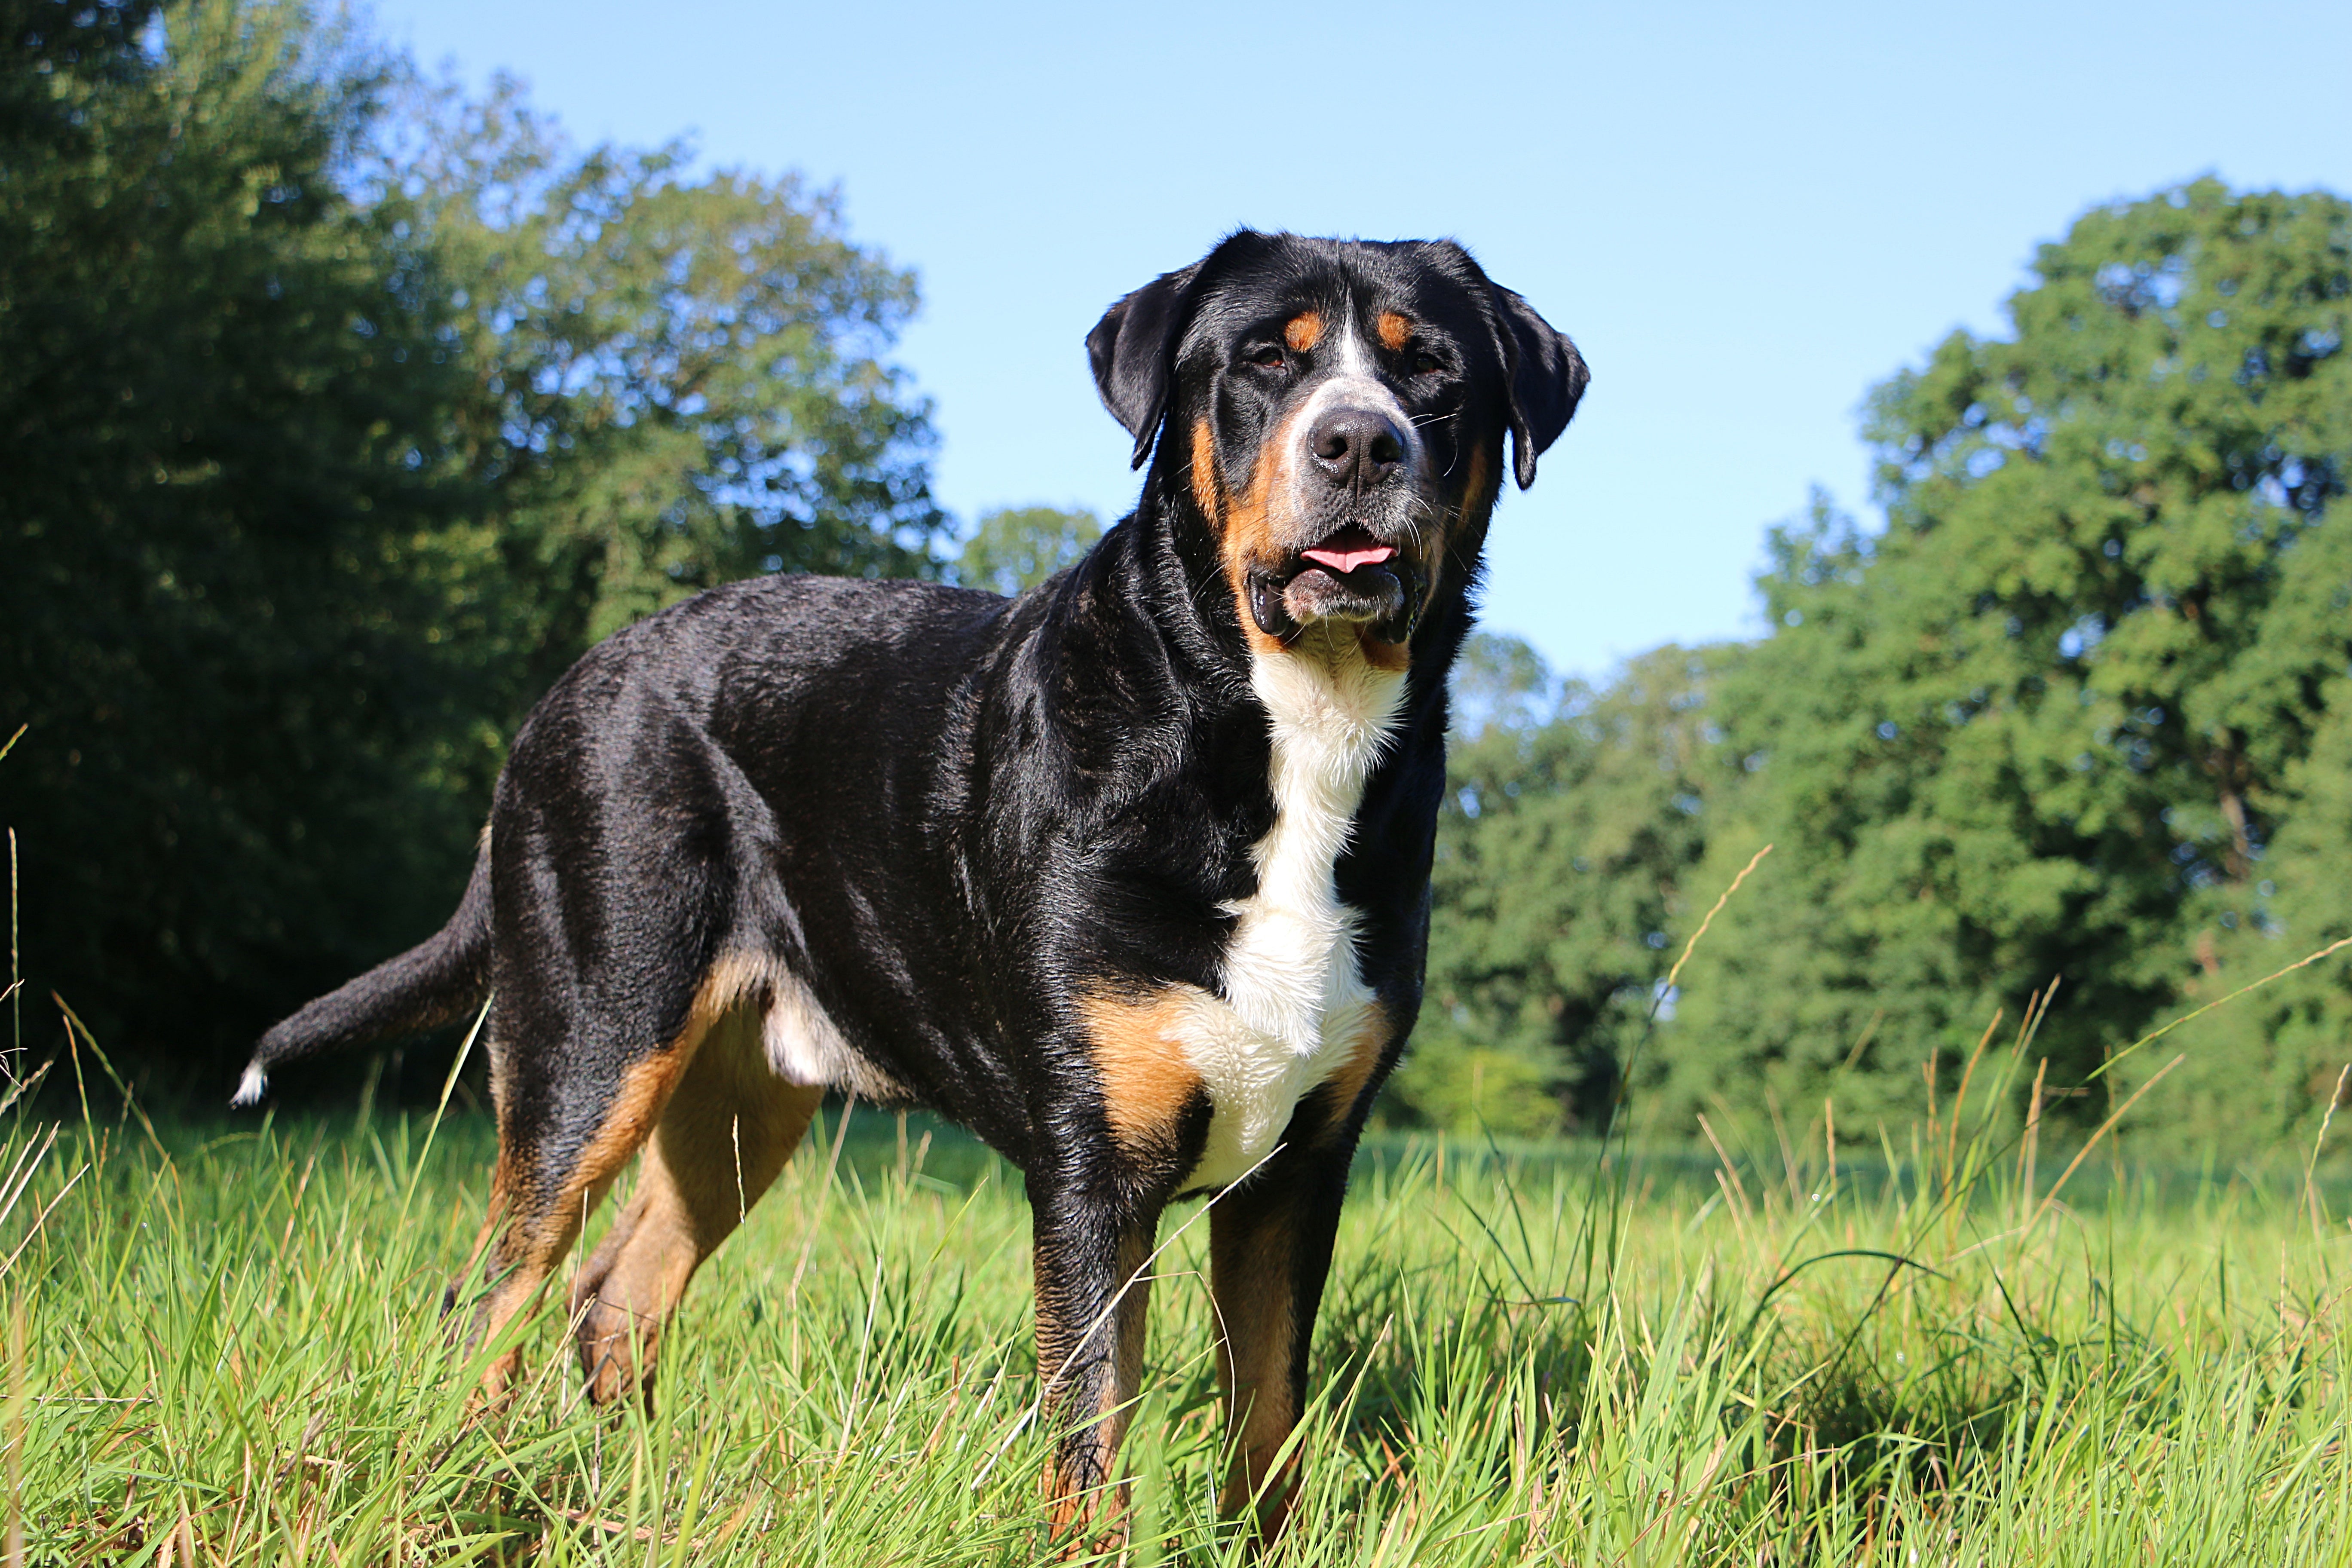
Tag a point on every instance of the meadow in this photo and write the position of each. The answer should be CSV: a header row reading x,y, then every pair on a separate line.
x,y
225,1347
341,408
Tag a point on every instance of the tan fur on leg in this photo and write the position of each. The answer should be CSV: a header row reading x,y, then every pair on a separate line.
x,y
533,1223
1086,1508
1250,1281
525,1241
723,1137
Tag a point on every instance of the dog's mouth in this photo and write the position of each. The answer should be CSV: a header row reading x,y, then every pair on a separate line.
x,y
1347,550
1346,576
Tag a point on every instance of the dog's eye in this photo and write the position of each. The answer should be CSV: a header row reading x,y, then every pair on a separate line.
x,y
1425,364
1265,356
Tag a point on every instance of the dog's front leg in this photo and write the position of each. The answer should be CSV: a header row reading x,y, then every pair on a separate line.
x,y
1269,1251
1091,1290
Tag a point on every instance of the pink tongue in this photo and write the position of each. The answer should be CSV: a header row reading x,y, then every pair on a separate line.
x,y
1346,561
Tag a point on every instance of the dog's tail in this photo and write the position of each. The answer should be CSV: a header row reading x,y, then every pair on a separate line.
x,y
436,982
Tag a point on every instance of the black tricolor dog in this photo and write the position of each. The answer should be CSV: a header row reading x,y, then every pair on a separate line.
x,y
1130,875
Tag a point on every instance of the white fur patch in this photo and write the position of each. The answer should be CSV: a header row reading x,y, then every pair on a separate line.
x,y
1358,384
1294,1001
806,1046
800,1039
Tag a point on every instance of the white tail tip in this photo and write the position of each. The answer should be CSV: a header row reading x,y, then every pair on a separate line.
x,y
249,1087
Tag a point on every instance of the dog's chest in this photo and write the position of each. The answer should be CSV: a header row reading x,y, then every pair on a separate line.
x,y
1291,1006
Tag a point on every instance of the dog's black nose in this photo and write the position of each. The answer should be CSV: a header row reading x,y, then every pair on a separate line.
x,y
1356,448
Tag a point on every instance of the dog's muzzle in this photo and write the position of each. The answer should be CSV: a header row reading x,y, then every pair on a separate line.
x,y
1349,577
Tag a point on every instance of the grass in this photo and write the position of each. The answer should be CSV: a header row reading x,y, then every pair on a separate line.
x,y
232,1354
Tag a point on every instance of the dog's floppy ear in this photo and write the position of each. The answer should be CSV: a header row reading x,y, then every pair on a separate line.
x,y
1546,376
1133,352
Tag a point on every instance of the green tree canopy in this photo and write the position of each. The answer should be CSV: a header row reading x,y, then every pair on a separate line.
x,y
678,379
1572,819
225,391
1019,547
339,415
2081,712
2053,721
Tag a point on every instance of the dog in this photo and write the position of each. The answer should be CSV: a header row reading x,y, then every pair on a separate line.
x,y
1129,875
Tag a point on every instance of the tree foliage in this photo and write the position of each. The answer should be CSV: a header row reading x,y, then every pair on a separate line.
x,y
340,413
223,397
1019,547
1562,847
678,380
2077,713
2039,727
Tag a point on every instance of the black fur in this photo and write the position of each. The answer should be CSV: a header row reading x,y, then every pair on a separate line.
x,y
951,817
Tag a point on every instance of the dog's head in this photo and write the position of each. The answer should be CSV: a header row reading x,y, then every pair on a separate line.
x,y
1335,411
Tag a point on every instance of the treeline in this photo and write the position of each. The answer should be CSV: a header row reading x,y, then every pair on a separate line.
x,y
2080,715
339,413
340,410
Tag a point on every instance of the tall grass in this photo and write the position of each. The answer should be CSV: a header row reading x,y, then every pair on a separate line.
x,y
234,1354
224,1346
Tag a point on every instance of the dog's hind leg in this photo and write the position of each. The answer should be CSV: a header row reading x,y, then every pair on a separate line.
x,y
616,860
553,1170
581,1084
725,1133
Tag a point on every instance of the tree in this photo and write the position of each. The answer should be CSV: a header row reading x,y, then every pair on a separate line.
x,y
339,416
223,404
678,382
1572,818
2051,722
1019,547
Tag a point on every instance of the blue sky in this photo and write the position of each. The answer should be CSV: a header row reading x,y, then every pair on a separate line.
x,y
1745,215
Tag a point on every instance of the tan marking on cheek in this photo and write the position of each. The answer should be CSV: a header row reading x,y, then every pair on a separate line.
x,y
1205,493
1467,518
1479,489
1304,330
1394,331
1248,536
1146,1081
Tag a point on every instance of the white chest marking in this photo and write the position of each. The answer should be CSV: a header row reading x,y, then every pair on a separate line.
x,y
1294,1003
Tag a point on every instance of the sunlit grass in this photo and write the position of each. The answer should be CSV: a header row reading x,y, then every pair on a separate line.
x,y
235,1348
